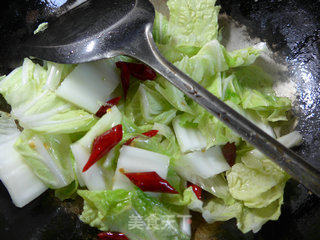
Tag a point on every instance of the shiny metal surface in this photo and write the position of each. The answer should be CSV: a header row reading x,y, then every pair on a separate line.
x,y
103,29
94,30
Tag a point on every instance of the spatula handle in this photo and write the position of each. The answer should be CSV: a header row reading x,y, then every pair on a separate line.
x,y
289,161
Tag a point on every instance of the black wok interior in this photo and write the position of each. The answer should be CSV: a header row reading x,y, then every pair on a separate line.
x,y
290,27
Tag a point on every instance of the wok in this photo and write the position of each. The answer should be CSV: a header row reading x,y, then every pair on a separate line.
x,y
292,30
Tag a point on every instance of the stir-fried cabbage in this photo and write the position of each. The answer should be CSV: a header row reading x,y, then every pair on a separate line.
x,y
55,106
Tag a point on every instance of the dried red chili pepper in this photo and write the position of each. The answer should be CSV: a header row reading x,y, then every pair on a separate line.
x,y
141,71
196,189
109,104
137,70
229,151
150,134
150,182
112,236
125,77
129,141
103,144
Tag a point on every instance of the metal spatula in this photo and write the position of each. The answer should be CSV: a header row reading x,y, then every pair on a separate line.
x,y
107,28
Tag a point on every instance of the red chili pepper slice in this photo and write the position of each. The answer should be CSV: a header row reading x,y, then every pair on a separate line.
x,y
125,77
150,182
112,236
138,70
109,104
129,141
103,144
229,151
150,134
142,71
196,189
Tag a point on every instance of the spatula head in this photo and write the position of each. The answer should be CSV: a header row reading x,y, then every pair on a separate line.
x,y
94,30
